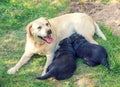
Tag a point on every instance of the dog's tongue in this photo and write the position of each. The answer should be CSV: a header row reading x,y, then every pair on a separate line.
x,y
49,39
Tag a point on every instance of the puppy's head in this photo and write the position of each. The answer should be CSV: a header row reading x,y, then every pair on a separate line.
x,y
40,29
65,42
75,37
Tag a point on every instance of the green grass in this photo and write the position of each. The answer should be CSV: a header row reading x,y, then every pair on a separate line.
x,y
104,1
15,15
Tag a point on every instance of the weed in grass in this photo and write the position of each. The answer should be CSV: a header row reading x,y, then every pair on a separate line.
x,y
104,1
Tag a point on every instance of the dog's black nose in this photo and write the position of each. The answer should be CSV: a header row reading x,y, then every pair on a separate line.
x,y
49,32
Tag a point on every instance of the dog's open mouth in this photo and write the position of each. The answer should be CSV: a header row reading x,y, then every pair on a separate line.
x,y
48,39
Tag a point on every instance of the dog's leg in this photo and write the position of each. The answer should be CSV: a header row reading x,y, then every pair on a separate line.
x,y
22,61
89,63
48,62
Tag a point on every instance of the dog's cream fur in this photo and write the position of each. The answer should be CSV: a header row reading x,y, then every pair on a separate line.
x,y
62,27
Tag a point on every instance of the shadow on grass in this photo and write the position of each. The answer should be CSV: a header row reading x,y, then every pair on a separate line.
x,y
38,56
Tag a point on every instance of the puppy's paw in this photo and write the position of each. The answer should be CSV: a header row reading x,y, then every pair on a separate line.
x,y
12,70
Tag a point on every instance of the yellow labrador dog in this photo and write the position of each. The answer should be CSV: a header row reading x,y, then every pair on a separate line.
x,y
43,35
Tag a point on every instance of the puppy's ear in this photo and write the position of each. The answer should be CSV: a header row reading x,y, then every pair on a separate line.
x,y
64,42
28,29
61,43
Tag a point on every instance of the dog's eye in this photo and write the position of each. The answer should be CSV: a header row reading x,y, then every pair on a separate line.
x,y
39,27
46,24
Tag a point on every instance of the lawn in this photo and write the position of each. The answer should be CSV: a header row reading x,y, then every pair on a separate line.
x,y
15,15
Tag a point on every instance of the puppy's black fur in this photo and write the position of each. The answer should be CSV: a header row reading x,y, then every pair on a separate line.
x,y
64,62
91,54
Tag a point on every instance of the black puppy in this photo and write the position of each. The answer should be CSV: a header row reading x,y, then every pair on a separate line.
x,y
91,54
63,64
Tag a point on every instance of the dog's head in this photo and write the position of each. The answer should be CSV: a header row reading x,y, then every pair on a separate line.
x,y
40,29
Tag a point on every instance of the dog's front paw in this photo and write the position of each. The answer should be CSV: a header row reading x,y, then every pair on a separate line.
x,y
12,70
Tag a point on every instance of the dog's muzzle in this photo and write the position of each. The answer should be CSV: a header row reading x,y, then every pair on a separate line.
x,y
47,38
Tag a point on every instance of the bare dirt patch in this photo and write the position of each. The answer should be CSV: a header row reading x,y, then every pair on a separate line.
x,y
84,81
108,14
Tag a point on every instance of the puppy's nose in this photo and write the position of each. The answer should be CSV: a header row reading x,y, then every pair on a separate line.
x,y
49,32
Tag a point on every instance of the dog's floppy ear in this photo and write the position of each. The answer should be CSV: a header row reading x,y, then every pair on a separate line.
x,y
28,29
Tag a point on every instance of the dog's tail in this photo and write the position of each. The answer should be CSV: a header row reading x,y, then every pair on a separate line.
x,y
47,75
99,32
105,63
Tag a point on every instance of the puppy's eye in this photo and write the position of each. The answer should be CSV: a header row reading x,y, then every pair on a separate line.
x,y
46,24
39,27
